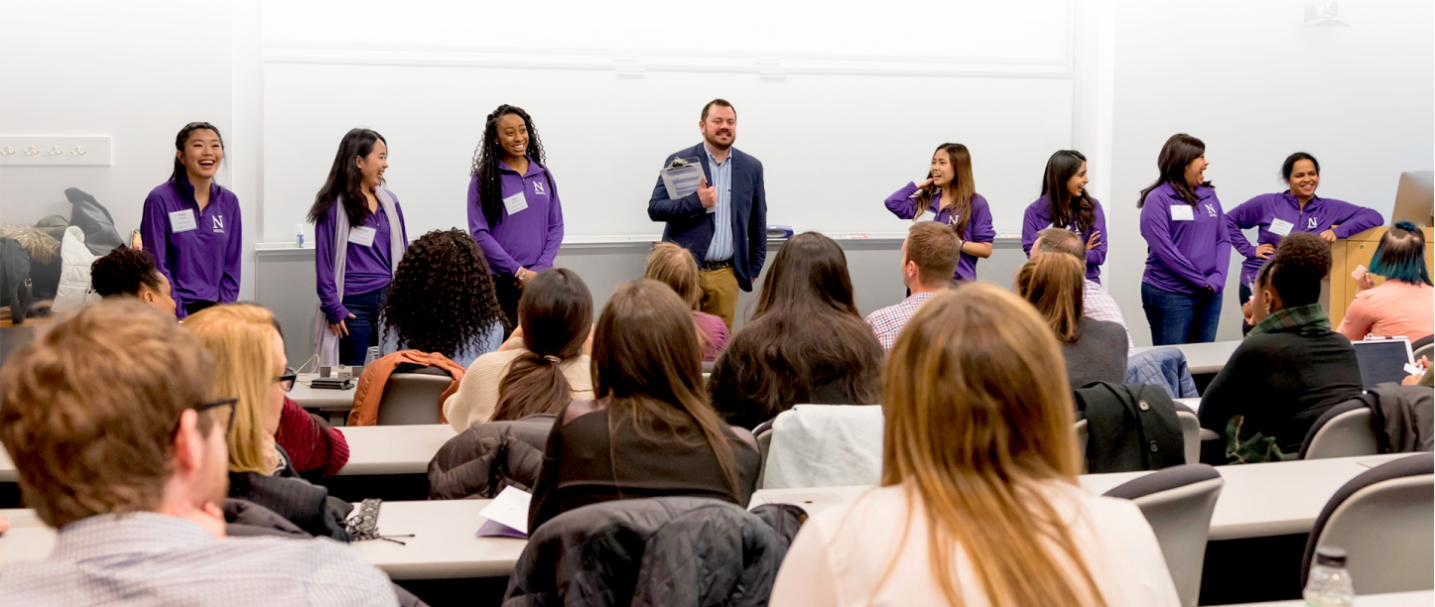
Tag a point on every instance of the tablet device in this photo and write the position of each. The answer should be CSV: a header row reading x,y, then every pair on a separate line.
x,y
1382,360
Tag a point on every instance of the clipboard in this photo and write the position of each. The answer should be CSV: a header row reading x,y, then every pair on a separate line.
x,y
682,177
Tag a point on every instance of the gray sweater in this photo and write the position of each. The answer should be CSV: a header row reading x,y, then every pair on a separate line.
x,y
1098,355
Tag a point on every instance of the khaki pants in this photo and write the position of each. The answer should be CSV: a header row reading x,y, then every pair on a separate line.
x,y
719,293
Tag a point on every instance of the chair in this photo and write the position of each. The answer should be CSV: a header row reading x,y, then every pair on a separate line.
x,y
1342,431
763,434
411,396
1190,432
1385,520
1427,350
1082,434
1178,502
825,446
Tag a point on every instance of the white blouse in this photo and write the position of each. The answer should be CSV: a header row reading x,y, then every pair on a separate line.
x,y
841,554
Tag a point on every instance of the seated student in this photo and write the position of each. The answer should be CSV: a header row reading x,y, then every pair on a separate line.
x,y
313,446
442,300
929,257
1096,303
112,420
979,502
250,365
674,266
1404,305
1292,367
1095,350
126,272
546,368
650,433
805,344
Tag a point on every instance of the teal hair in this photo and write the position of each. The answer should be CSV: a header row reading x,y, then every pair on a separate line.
x,y
1401,255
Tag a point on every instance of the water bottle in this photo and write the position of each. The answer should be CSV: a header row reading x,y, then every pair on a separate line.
x,y
299,239
1329,583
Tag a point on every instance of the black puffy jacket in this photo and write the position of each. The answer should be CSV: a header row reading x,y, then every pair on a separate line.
x,y
487,457
668,551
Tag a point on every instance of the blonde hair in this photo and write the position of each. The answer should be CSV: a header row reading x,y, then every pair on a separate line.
x,y
674,266
978,414
240,338
1053,282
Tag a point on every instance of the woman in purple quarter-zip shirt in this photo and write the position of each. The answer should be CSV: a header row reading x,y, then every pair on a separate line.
x,y
1297,209
513,209
359,238
950,196
191,224
1064,203
1188,247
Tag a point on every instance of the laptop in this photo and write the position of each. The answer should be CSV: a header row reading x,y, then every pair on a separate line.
x,y
1382,360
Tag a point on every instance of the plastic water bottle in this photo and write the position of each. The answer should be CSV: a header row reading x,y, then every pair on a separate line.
x,y
299,239
1329,583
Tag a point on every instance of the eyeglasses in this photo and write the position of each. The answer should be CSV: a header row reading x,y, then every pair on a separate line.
x,y
232,403
286,381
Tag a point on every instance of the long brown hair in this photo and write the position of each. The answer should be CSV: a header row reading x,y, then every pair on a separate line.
x,y
809,273
1178,152
1053,282
978,414
646,364
675,266
556,312
963,187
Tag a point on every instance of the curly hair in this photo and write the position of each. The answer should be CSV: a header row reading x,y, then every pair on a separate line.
x,y
442,297
489,152
1298,266
123,271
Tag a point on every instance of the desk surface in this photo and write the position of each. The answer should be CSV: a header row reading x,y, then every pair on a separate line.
x,y
444,545
1424,598
1258,500
1201,358
393,449
320,400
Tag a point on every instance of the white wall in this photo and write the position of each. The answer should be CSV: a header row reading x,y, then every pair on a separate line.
x,y
136,71
842,107
1256,84
1247,77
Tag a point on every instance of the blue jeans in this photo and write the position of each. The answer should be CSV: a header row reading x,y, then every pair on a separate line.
x,y
363,328
1180,318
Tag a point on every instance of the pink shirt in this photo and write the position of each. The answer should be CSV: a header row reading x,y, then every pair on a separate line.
x,y
1395,308
715,334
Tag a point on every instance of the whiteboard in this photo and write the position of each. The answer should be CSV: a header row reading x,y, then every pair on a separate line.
x,y
838,124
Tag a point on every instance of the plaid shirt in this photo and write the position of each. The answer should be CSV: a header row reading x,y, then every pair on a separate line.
x,y
888,322
1098,305
143,559
1309,318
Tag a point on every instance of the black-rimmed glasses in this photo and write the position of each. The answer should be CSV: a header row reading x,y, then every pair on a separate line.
x,y
286,381
232,403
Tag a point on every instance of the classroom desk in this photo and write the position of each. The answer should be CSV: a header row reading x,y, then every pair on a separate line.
x,y
444,545
1193,403
1202,359
393,449
321,400
1424,598
1258,500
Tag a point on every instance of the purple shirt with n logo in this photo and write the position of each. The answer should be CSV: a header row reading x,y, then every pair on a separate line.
x,y
197,250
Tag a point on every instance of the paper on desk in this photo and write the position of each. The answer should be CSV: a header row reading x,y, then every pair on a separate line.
x,y
682,177
507,514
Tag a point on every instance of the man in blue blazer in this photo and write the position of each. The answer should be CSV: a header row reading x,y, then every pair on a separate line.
x,y
723,223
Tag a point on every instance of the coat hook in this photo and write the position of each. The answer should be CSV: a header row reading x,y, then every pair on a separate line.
x,y
55,151
79,151
7,151
32,151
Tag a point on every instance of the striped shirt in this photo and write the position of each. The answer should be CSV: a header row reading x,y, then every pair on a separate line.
x,y
148,559
720,248
888,322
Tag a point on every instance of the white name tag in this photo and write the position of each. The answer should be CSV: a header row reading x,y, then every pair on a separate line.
x,y
362,236
515,203
1182,212
182,221
1280,227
